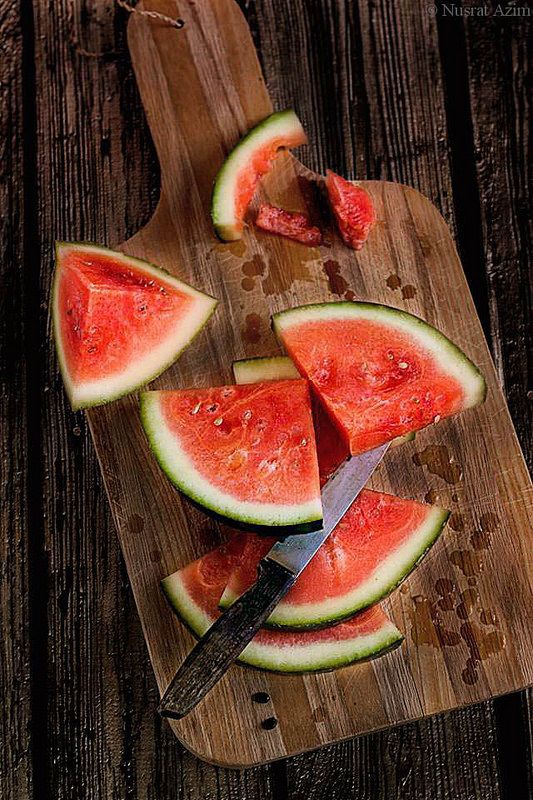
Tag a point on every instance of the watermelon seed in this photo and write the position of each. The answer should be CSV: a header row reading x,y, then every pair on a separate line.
x,y
212,407
403,364
196,408
390,355
269,724
218,421
92,349
436,418
304,442
261,697
247,415
142,308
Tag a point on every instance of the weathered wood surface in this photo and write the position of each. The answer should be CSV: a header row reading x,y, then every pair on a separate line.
x,y
86,124
15,608
201,88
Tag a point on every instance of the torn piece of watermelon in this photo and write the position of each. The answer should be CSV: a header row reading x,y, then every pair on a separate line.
x,y
289,224
194,593
378,542
376,545
118,322
353,209
244,453
380,372
249,160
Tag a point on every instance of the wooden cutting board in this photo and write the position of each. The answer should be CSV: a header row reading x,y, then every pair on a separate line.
x,y
466,610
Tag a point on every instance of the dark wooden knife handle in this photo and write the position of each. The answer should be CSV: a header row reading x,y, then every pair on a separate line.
x,y
225,640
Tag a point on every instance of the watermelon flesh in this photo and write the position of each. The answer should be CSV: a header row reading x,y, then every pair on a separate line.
x,y
248,162
376,545
194,593
353,209
332,449
245,453
380,372
118,321
289,224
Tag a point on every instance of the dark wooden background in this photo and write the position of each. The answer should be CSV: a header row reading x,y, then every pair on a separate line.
x,y
385,90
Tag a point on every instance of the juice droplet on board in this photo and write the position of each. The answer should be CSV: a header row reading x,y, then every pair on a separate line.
x,y
408,291
251,332
394,281
439,462
337,283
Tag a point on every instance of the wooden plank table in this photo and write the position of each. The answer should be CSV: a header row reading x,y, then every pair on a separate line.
x,y
386,91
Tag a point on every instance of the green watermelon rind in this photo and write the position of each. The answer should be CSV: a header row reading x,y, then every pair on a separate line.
x,y
261,517
101,396
326,657
264,368
450,357
227,227
318,615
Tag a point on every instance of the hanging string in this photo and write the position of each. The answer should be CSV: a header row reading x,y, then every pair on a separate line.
x,y
175,23
126,6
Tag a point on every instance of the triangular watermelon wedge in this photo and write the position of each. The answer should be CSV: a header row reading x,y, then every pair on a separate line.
x,y
194,593
376,545
379,372
118,322
244,453
379,541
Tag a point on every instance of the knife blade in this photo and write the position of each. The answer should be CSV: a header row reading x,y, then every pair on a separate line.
x,y
225,640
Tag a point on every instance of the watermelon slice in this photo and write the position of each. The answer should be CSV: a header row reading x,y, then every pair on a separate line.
x,y
118,322
331,447
353,209
194,593
376,545
240,173
245,453
288,224
380,372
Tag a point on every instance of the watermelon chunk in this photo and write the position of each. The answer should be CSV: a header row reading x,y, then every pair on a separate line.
x,y
353,209
332,449
194,593
244,453
288,224
376,545
380,372
249,160
118,322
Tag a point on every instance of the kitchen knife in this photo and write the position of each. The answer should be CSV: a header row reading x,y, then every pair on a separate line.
x,y
225,640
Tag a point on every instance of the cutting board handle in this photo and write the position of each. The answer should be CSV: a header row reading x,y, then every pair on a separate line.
x,y
201,86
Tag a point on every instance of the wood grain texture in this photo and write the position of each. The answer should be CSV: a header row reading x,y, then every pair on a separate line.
x,y
94,663
376,52
454,755
15,719
497,78
101,736
159,531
